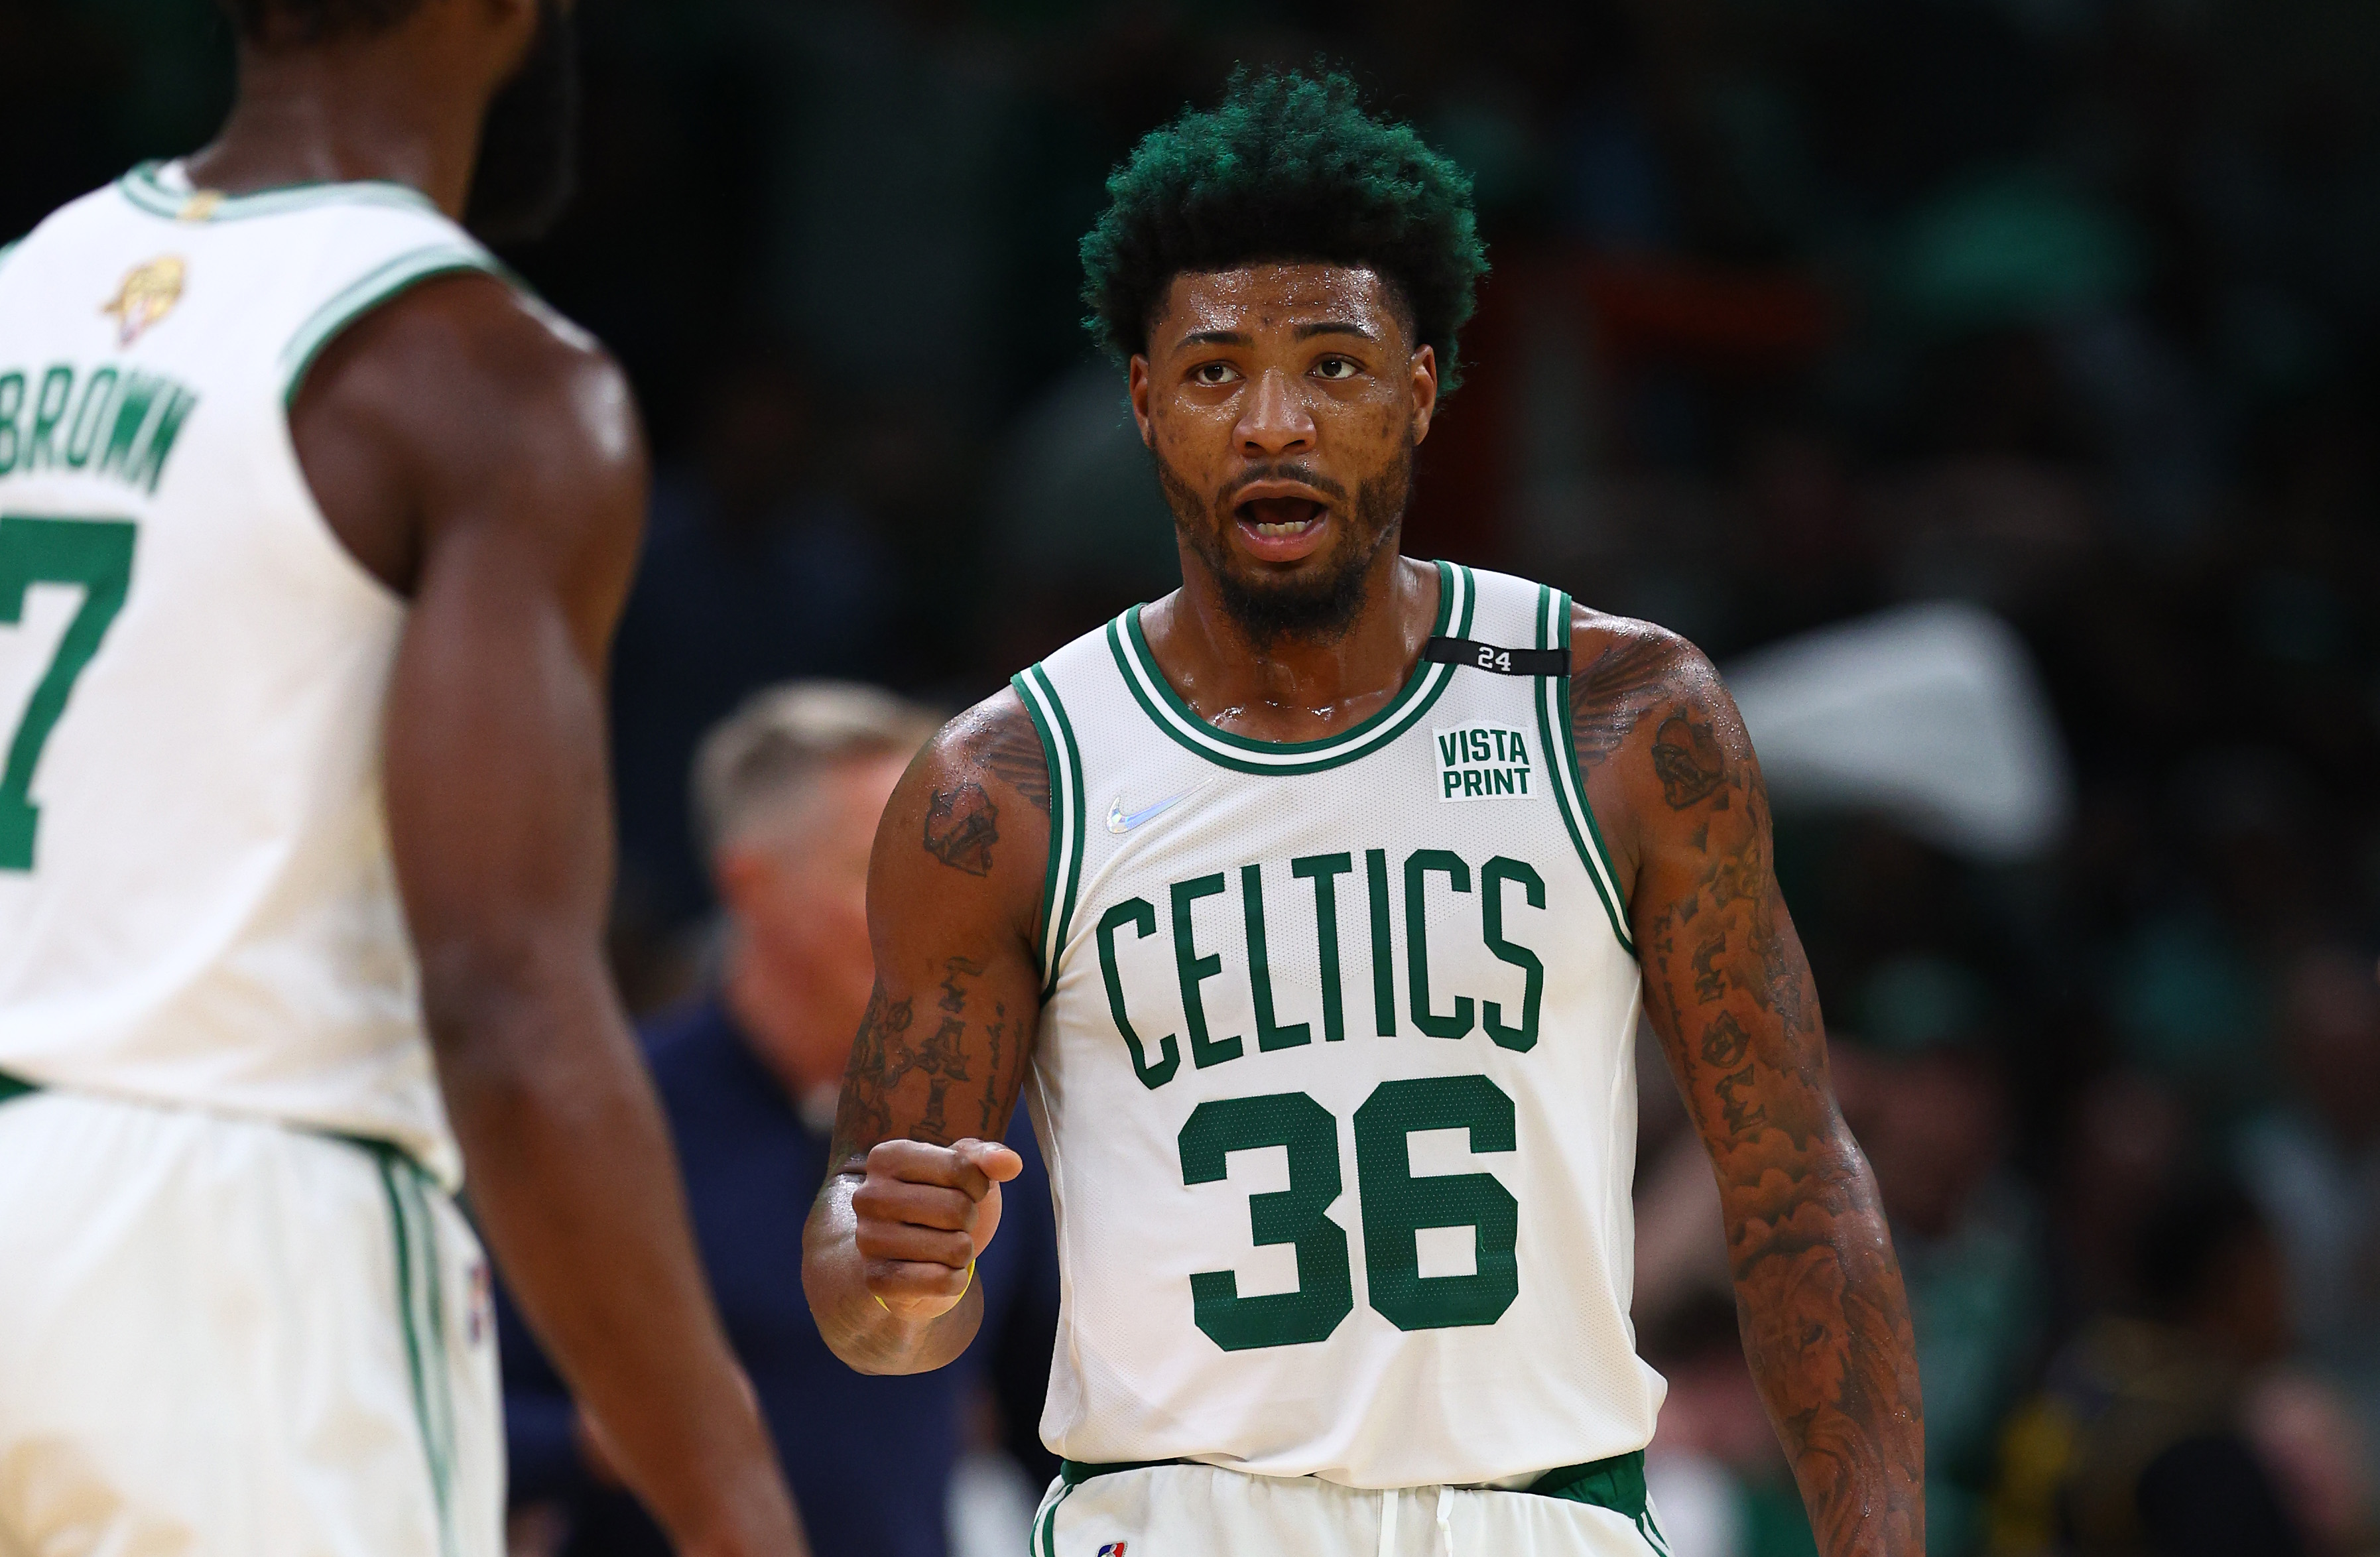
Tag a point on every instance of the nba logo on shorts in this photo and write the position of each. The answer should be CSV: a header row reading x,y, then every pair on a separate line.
x,y
1112,1548
480,1314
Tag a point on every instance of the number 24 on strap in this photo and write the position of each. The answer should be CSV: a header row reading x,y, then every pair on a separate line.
x,y
96,554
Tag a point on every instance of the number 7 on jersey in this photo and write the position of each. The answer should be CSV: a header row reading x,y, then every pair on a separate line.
x,y
96,554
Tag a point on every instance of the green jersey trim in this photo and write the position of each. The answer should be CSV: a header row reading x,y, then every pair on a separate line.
x,y
14,1087
1067,813
147,190
375,287
1561,756
1457,592
10,247
1617,1483
420,1306
1044,1540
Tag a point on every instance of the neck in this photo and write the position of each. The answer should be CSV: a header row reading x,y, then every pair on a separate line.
x,y
775,1017
342,113
1289,688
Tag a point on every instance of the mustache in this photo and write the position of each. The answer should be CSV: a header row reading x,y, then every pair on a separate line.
x,y
1280,470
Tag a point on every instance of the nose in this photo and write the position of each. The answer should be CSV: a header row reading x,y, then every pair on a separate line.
x,y
1275,422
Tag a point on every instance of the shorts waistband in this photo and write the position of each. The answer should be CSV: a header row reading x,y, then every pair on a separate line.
x,y
14,1087
1617,1483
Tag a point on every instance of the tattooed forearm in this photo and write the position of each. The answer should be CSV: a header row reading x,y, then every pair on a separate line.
x,y
955,970
942,1058
883,1059
1827,1332
880,1057
1825,1322
995,1034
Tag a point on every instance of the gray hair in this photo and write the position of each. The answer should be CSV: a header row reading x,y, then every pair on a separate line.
x,y
770,751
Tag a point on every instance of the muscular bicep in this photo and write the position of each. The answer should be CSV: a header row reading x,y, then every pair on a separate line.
x,y
514,452
954,904
1727,986
494,774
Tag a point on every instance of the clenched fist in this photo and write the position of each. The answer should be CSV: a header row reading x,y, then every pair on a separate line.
x,y
925,1213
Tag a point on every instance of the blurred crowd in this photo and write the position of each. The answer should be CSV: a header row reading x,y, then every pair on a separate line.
x,y
2067,310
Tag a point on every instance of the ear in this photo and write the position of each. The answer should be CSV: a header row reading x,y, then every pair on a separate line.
x,y
1425,390
1139,385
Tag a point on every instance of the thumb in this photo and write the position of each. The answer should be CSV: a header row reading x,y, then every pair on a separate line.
x,y
994,1159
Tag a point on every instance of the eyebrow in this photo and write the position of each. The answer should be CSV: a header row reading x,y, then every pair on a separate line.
x,y
1218,337
1334,327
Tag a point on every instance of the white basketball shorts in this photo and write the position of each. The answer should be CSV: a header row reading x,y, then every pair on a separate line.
x,y
1178,1510
224,1337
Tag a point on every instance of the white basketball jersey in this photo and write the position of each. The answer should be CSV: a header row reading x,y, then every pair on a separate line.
x,y
197,905
1336,1078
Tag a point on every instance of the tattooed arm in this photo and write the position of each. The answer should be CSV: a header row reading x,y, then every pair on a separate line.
x,y
1727,987
912,1194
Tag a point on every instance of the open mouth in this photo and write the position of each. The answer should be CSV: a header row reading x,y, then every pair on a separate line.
x,y
1281,517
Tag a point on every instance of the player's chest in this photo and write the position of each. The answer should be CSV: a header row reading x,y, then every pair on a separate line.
x,y
1435,889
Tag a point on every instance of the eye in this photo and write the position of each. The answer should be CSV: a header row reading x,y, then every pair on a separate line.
x,y
1213,374
1336,367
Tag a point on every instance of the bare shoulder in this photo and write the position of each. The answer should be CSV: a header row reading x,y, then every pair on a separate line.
x,y
995,741
966,834
464,400
1660,745
1624,671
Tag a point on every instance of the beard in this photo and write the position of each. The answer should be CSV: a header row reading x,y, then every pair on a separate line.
x,y
1312,607
528,146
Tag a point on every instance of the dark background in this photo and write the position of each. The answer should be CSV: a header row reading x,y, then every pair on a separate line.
x,y
2067,308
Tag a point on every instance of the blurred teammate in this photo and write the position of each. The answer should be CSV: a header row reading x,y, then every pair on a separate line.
x,y
1313,907
788,791
313,528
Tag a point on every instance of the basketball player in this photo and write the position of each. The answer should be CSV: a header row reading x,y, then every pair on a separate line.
x,y
313,528
1312,907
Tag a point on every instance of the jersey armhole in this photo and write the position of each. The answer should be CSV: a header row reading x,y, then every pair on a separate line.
x,y
376,287
1064,873
1570,784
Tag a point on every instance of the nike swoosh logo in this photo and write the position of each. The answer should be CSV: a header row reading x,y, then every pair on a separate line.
x,y
1120,821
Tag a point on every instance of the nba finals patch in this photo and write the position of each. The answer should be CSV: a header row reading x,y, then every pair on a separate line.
x,y
147,295
1112,1548
1482,762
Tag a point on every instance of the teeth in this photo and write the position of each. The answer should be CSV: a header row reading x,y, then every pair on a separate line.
x,y
1272,531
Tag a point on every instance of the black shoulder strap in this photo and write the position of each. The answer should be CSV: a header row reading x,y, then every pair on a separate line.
x,y
1501,660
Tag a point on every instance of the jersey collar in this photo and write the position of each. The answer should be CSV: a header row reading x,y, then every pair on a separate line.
x,y
1456,595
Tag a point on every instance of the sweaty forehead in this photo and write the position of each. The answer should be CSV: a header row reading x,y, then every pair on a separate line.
x,y
1261,298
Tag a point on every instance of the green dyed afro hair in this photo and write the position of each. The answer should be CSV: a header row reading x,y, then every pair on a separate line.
x,y
1288,166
